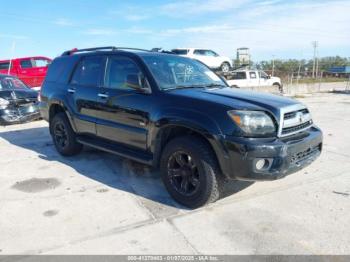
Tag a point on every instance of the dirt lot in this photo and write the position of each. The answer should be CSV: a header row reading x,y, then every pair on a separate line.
x,y
99,203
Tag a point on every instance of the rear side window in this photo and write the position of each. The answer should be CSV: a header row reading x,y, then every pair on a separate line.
x,y
4,65
239,75
180,51
118,70
26,63
89,71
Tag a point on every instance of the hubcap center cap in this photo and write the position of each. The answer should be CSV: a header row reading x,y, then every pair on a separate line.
x,y
185,172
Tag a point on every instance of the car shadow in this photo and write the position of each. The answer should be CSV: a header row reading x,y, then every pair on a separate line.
x,y
106,168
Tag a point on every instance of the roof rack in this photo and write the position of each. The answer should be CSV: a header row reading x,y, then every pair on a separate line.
x,y
112,48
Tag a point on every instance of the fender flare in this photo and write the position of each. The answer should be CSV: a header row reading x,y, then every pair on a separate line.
x,y
66,110
199,123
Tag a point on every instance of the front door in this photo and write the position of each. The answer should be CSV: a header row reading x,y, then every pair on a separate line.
x,y
123,114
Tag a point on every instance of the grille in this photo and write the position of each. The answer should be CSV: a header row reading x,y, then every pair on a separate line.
x,y
300,156
293,114
293,129
295,121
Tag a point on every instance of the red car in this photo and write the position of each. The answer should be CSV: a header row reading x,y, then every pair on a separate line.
x,y
31,70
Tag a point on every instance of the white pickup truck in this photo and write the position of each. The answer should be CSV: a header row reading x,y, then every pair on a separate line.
x,y
252,78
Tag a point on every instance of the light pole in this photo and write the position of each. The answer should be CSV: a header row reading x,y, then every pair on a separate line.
x,y
314,45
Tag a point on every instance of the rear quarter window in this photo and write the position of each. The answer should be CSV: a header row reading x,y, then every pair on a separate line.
x,y
60,69
4,65
239,75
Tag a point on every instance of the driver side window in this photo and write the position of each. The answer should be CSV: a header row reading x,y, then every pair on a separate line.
x,y
118,70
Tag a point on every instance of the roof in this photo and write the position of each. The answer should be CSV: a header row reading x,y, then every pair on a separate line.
x,y
20,58
186,48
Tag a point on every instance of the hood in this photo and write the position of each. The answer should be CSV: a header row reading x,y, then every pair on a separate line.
x,y
239,99
19,94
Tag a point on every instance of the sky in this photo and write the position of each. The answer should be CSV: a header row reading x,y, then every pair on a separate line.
x,y
270,28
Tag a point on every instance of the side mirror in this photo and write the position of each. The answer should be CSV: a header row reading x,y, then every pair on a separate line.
x,y
136,81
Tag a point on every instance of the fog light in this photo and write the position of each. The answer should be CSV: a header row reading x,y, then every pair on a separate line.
x,y
262,163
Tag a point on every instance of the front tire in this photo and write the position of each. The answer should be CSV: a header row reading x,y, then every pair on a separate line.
x,y
63,136
225,67
190,172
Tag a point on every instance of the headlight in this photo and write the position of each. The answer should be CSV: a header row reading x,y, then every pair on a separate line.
x,y
253,123
3,103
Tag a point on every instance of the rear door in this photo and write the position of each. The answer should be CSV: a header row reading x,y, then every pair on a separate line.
x,y
123,114
240,79
82,92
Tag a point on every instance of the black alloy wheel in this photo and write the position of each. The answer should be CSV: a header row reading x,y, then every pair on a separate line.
x,y
60,135
63,136
183,173
190,171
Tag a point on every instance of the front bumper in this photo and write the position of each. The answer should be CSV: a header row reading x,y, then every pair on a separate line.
x,y
19,115
283,155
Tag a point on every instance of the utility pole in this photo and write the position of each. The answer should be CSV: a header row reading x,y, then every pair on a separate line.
x,y
12,51
317,74
314,45
273,65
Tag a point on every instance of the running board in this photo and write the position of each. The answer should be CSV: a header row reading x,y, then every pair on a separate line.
x,y
117,149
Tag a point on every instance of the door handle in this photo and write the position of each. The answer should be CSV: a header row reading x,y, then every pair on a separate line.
x,y
102,95
71,90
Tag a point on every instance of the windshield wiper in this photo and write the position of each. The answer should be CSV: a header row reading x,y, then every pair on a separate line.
x,y
184,87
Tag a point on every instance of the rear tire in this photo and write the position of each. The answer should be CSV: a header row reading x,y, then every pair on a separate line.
x,y
200,169
63,136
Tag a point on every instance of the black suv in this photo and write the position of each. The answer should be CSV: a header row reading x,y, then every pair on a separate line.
x,y
173,112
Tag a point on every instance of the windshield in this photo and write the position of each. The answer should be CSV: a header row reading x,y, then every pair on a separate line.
x,y
263,74
173,72
9,83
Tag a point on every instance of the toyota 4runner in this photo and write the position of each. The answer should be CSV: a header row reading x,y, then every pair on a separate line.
x,y
174,113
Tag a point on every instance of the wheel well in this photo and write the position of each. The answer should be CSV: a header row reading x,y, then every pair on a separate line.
x,y
55,109
276,83
171,132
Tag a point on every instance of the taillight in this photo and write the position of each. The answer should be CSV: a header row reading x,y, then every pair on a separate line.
x,y
39,95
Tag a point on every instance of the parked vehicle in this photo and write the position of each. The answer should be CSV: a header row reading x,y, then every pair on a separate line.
x,y
31,70
18,103
173,112
206,56
253,78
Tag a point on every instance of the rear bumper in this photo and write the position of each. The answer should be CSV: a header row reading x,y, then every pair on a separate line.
x,y
282,156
